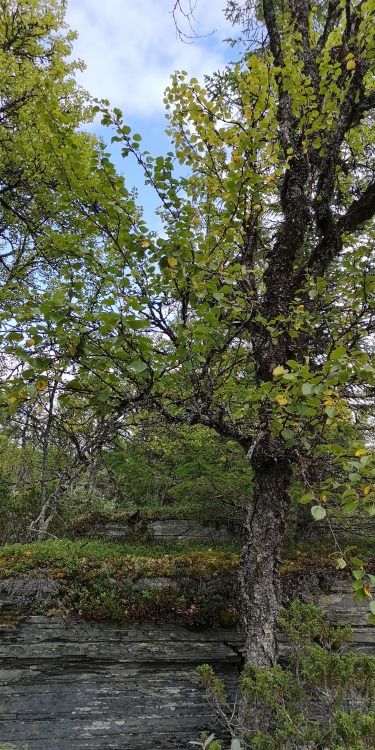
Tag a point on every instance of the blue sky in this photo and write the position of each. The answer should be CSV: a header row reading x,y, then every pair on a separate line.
x,y
131,48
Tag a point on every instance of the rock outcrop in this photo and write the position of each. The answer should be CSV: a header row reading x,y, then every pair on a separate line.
x,y
67,684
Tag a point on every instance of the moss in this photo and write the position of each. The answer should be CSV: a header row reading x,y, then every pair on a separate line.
x,y
303,556
134,560
9,620
229,617
96,580
197,587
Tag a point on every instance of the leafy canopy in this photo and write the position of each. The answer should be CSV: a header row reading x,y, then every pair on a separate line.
x,y
252,310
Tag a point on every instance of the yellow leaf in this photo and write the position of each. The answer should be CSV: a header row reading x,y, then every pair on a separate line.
x,y
172,262
145,243
350,65
41,385
282,400
297,326
361,452
279,370
30,342
301,307
367,489
367,591
12,399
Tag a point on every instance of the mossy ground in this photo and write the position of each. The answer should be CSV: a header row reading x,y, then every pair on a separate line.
x,y
96,578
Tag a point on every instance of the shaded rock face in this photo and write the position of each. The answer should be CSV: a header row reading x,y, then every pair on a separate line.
x,y
19,593
178,530
75,685
166,529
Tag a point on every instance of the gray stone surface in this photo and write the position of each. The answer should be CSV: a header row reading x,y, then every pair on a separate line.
x,y
112,530
179,530
73,685
67,684
169,529
23,592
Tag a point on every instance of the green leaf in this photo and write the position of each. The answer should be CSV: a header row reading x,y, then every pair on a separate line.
x,y
354,477
287,434
357,585
360,595
338,353
138,365
104,395
349,507
331,411
318,512
307,388
358,574
306,498
356,561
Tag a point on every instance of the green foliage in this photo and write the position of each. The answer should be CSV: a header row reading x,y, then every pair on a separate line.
x,y
207,742
252,311
212,684
325,698
167,474
186,472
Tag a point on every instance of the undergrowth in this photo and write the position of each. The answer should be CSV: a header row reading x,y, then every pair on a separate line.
x,y
323,700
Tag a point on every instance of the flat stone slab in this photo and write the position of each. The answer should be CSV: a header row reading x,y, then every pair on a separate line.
x,y
179,530
74,685
168,529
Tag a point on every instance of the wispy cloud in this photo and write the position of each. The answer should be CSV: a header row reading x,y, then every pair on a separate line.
x,y
131,48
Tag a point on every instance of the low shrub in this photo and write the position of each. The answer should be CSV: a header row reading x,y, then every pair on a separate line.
x,y
325,698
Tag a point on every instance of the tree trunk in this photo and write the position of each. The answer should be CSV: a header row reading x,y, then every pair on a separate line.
x,y
259,578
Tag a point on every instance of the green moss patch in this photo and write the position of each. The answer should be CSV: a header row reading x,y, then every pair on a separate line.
x,y
108,581
179,583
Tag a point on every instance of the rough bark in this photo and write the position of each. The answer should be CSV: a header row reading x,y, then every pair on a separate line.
x,y
260,560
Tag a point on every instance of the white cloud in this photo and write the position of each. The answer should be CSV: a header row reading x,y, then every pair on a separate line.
x,y
131,48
